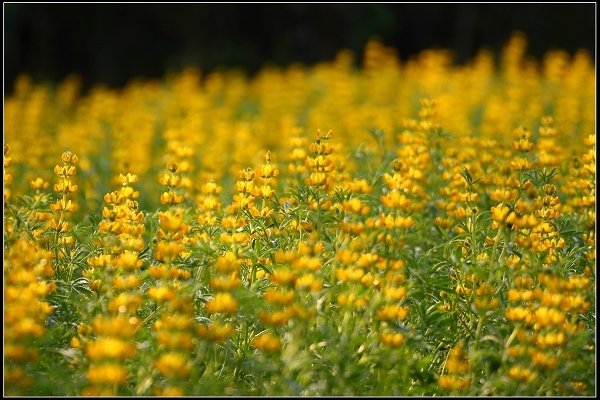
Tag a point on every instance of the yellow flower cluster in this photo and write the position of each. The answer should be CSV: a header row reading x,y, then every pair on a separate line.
x,y
266,256
545,315
457,368
115,276
28,277
7,176
64,206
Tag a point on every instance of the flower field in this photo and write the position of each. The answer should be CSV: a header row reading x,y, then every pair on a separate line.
x,y
398,228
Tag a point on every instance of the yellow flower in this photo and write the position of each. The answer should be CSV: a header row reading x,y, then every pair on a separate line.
x,y
500,212
394,293
175,340
266,342
275,318
161,294
109,374
521,374
227,263
127,179
283,298
522,144
283,277
550,339
222,303
392,339
171,198
453,382
65,186
392,312
171,391
215,332
174,322
69,158
211,188
173,364
521,164
128,261
366,260
62,205
167,251
267,171
124,303
517,314
355,205
109,347
310,282
169,180
38,184
126,282
246,174
65,171
225,283
172,222
544,316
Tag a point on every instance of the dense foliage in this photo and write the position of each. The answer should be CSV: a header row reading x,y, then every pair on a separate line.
x,y
413,228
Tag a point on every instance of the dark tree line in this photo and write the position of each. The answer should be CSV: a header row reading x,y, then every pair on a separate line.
x,y
113,43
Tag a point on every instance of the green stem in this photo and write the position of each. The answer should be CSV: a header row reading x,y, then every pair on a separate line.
x,y
493,258
508,342
252,274
318,220
479,329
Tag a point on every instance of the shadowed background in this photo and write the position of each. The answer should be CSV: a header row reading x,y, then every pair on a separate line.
x,y
113,43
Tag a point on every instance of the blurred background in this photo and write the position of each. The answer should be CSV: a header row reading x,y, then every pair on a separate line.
x,y
113,43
